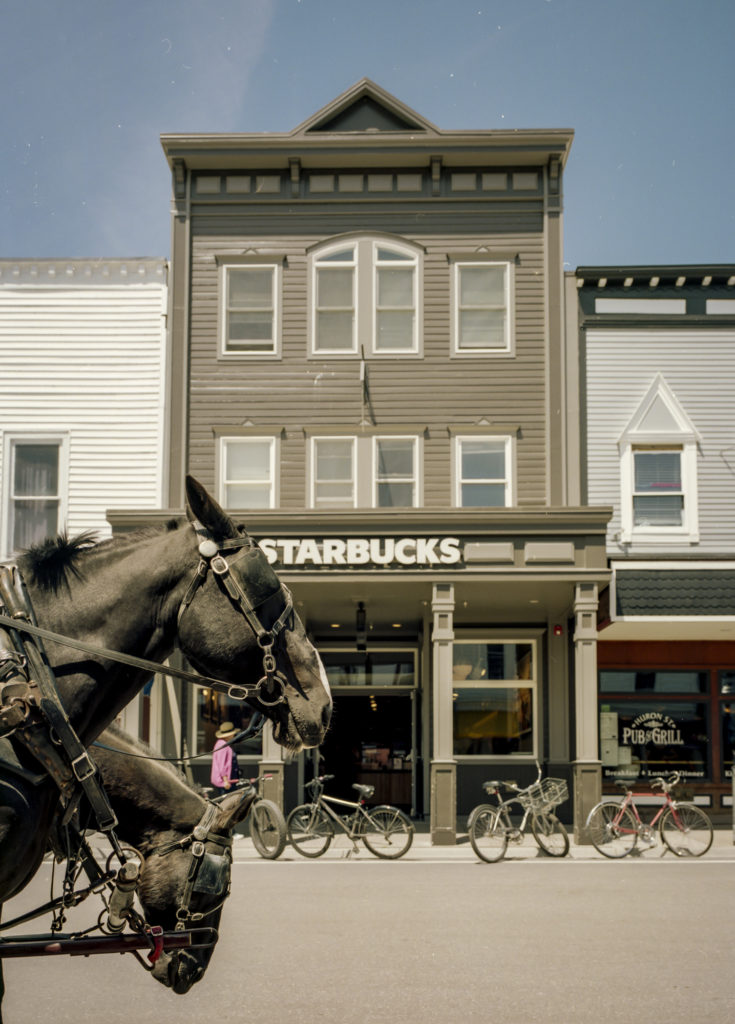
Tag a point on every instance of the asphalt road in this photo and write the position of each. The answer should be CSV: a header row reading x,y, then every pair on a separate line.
x,y
430,940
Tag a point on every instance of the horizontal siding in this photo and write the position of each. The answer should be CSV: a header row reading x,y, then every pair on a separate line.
x,y
699,367
89,363
433,391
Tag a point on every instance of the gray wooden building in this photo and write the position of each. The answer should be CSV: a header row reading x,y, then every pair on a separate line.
x,y
371,368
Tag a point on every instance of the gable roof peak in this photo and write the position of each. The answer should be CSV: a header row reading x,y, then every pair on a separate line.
x,y
365,107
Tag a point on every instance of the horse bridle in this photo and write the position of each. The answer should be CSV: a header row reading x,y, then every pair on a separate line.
x,y
270,688
209,873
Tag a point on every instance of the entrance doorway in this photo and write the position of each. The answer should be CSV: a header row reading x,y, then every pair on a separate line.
x,y
374,736
370,742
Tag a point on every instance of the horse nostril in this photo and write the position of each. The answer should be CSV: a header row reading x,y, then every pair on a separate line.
x,y
326,715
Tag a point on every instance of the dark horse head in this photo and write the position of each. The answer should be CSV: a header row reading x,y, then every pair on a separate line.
x,y
219,633
202,583
160,814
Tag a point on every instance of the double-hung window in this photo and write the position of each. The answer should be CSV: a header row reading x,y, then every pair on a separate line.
x,y
483,472
365,298
333,472
364,472
250,313
35,490
482,321
494,697
395,477
658,494
248,472
658,466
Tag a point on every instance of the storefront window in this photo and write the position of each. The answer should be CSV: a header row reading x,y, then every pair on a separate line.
x,y
213,710
643,739
727,722
653,682
493,721
370,668
491,716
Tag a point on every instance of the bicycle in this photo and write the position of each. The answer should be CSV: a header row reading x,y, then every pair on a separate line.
x,y
491,829
386,831
266,823
615,826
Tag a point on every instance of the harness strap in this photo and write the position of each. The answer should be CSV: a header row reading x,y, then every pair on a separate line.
x,y
35,736
233,690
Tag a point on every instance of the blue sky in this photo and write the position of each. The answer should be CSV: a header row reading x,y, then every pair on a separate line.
x,y
647,85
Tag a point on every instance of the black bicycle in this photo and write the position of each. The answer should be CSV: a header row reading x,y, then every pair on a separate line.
x,y
385,831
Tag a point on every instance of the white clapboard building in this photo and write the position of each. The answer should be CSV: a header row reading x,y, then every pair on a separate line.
x,y
82,391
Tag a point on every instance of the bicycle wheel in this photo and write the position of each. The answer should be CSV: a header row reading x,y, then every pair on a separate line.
x,y
550,834
488,834
612,829
267,829
309,830
686,830
387,832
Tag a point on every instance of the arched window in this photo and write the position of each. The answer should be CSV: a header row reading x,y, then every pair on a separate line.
x,y
365,298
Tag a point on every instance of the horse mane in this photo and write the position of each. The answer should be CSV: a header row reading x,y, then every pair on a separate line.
x,y
138,750
156,788
53,563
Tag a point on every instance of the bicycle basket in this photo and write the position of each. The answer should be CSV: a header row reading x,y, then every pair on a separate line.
x,y
545,794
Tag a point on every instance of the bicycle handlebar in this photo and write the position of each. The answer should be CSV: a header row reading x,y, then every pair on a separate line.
x,y
659,782
318,781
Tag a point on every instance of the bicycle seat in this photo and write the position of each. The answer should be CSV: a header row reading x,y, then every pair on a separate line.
x,y
623,783
364,791
492,787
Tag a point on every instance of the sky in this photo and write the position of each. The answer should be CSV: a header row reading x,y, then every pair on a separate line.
x,y
648,86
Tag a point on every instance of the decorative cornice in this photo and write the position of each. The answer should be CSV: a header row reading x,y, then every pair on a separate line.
x,y
58,273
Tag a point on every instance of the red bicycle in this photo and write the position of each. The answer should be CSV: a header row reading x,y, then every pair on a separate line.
x,y
615,826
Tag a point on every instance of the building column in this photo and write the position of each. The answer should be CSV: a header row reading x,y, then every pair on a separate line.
x,y
272,763
587,766
443,766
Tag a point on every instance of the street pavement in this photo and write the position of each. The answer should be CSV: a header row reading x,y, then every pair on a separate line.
x,y
437,937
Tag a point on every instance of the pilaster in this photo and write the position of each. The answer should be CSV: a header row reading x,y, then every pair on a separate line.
x,y
443,765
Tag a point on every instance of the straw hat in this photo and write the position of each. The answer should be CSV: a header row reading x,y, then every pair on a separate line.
x,y
226,729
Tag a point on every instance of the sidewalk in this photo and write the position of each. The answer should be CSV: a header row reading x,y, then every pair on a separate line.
x,y
422,850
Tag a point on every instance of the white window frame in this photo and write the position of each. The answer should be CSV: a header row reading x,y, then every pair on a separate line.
x,y
229,267
12,441
688,530
508,349
659,421
312,463
533,684
415,478
365,267
510,474
223,482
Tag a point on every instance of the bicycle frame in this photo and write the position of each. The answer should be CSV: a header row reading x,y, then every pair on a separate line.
x,y
323,801
628,803
504,807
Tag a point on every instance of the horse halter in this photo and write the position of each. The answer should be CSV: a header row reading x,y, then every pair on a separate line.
x,y
209,873
270,688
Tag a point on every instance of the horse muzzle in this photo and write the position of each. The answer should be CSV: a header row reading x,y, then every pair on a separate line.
x,y
178,971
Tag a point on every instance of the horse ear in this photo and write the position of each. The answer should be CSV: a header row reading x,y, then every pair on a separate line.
x,y
201,505
233,807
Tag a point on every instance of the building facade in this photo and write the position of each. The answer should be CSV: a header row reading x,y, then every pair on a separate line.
x,y
371,369
658,346
82,396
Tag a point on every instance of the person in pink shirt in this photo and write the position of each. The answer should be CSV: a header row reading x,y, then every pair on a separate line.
x,y
225,772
